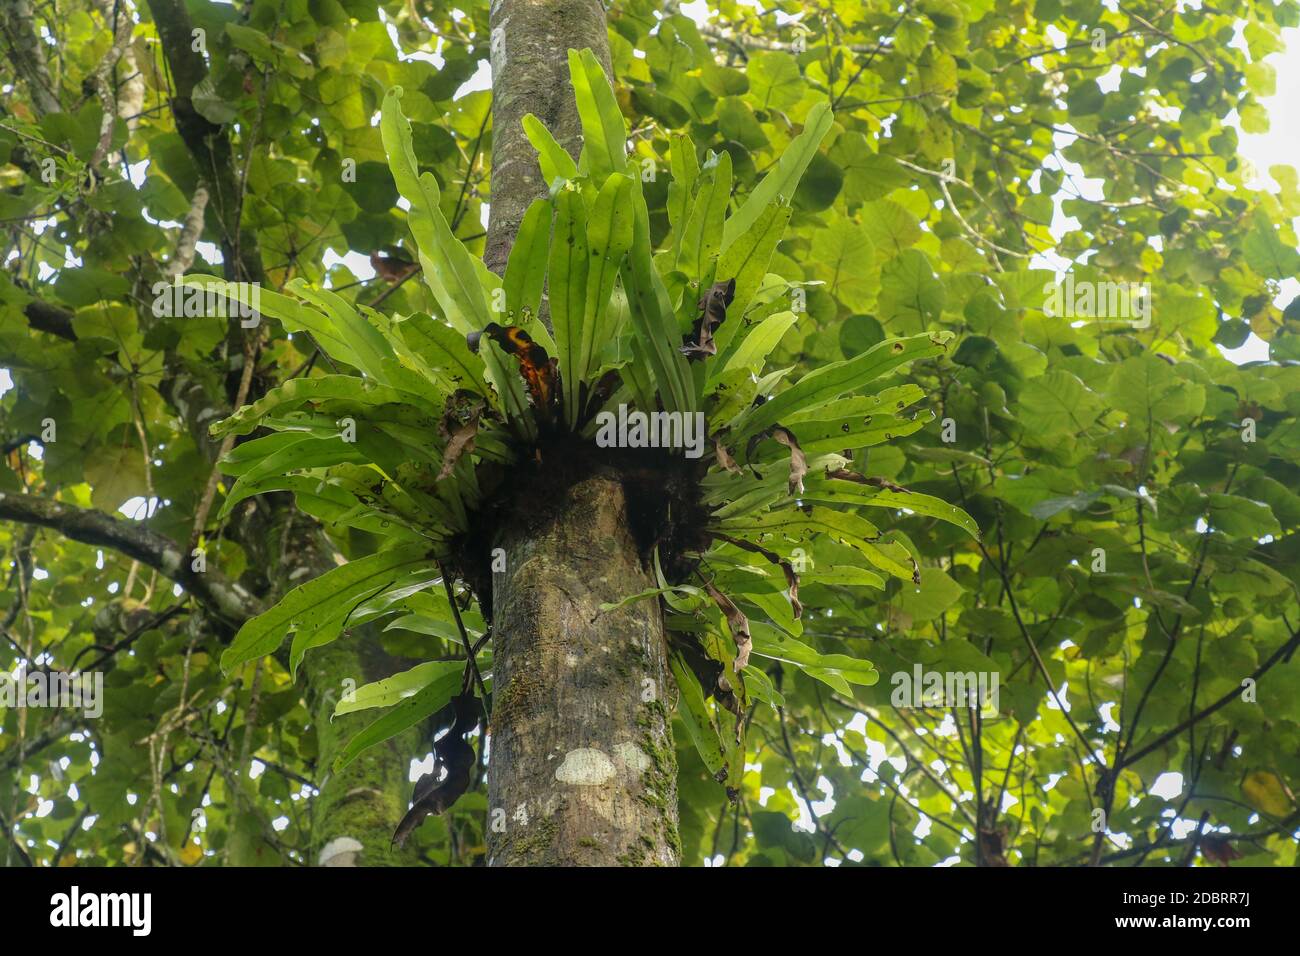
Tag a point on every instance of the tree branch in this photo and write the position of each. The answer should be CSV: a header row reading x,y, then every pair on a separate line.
x,y
1286,649
28,55
207,142
225,598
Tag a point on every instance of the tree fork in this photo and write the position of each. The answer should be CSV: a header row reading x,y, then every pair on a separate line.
x,y
582,768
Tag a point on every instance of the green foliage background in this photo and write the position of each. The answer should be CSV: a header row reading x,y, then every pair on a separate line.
x,y
924,210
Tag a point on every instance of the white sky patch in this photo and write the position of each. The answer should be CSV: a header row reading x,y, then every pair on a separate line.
x,y
1106,711
1280,145
481,80
435,57
138,508
698,10
1168,785
209,251
356,263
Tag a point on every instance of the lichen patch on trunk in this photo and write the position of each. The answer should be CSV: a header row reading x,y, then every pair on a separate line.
x,y
632,757
585,767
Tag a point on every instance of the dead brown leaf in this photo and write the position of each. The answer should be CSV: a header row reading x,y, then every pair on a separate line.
x,y
713,311
736,622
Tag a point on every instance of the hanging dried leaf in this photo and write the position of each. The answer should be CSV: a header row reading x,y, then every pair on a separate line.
x,y
713,310
1218,850
608,384
434,791
459,425
724,456
738,624
883,483
537,368
798,461
993,846
791,578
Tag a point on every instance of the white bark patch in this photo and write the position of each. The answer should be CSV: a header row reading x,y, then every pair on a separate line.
x,y
341,851
497,49
585,767
632,757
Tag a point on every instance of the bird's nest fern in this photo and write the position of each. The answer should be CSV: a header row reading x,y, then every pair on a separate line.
x,y
417,436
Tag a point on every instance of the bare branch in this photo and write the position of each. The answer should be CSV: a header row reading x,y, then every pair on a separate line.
x,y
28,54
225,598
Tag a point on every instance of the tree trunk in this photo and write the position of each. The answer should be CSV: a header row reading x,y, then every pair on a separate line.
x,y
530,74
582,769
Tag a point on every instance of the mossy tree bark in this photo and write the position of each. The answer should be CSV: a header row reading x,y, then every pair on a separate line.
x,y
582,769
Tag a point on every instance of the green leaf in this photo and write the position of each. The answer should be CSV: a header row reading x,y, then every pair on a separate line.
x,y
319,600
779,185
604,134
526,270
843,527
757,345
455,277
568,289
836,670
449,269
391,690
827,383
747,261
430,699
605,608
701,235
555,162
774,80
936,593
609,237
695,715
1057,404
117,474
446,355
300,391
849,492
371,351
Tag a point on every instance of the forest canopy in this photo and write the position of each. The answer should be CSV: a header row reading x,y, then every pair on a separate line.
x,y
1078,506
